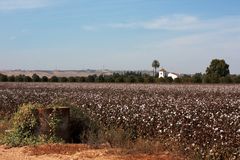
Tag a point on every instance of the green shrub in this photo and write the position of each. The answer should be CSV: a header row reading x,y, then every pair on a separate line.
x,y
161,80
177,80
24,128
82,128
117,137
130,79
119,79
4,125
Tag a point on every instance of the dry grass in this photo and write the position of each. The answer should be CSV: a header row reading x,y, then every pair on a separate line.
x,y
66,149
154,149
4,125
152,157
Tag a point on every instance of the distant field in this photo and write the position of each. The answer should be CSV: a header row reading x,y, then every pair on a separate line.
x,y
59,73
203,118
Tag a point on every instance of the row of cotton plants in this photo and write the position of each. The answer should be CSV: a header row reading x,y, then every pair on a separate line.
x,y
201,118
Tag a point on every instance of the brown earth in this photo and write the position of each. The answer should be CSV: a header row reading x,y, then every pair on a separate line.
x,y
76,152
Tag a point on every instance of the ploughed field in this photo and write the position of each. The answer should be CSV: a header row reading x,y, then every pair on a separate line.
x,y
201,118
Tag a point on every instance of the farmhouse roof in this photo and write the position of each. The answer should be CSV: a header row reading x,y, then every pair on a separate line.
x,y
162,69
175,73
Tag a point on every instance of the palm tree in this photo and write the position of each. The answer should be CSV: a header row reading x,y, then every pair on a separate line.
x,y
155,65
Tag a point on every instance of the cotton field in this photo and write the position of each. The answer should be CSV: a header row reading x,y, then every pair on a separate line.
x,y
202,118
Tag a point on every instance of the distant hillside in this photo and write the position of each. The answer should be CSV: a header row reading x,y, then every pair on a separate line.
x,y
58,73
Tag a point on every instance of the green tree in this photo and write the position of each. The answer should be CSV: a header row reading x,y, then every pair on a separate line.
x,y
3,78
149,79
227,79
119,79
19,78
11,78
213,78
130,79
235,78
197,78
115,75
140,79
36,78
72,79
27,79
218,67
206,79
177,80
109,79
82,79
63,79
44,79
161,80
100,79
186,78
91,78
169,79
54,79
155,65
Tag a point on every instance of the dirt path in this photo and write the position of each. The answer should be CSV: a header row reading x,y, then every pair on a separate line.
x,y
74,152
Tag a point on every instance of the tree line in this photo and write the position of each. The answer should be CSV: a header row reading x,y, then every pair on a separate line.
x,y
129,77
216,72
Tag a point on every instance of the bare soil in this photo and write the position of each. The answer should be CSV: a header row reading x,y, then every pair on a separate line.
x,y
76,152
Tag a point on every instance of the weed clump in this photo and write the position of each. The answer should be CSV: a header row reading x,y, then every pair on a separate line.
x,y
82,128
24,124
24,128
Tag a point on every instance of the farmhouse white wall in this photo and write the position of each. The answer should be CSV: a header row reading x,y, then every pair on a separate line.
x,y
163,74
174,76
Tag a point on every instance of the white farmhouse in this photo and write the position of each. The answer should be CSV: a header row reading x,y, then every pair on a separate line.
x,y
163,73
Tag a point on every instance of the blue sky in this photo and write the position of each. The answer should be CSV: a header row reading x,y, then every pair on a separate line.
x,y
184,35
